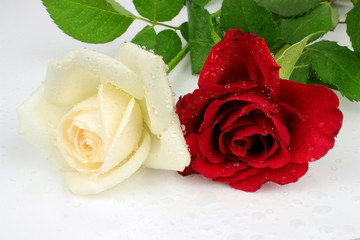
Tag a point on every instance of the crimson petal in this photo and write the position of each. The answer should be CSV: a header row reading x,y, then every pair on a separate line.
x,y
241,58
313,121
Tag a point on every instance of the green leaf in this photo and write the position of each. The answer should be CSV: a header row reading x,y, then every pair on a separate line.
x,y
250,17
158,10
321,19
216,31
353,26
354,2
146,38
200,35
288,8
288,58
301,73
168,44
91,21
184,29
202,2
336,66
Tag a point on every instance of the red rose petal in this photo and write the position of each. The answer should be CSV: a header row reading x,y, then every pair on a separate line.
x,y
190,108
314,122
209,146
252,179
210,170
239,175
240,58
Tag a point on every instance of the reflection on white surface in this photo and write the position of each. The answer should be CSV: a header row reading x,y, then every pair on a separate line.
x,y
34,204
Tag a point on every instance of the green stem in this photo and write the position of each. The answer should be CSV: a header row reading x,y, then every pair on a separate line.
x,y
157,23
172,64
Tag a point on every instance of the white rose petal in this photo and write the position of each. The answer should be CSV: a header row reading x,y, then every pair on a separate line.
x,y
38,119
158,94
79,136
84,183
127,137
112,105
169,150
102,118
77,76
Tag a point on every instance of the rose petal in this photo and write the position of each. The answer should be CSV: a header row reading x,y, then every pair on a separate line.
x,y
83,183
191,107
209,146
77,75
239,175
82,117
38,119
169,150
287,174
112,104
245,103
241,58
158,94
313,119
210,170
127,137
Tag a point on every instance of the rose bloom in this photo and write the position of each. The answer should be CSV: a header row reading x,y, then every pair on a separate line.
x,y
245,126
102,118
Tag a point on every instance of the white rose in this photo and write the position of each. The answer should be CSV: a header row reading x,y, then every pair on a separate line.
x,y
102,118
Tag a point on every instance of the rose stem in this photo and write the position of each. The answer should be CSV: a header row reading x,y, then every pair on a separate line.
x,y
157,23
172,64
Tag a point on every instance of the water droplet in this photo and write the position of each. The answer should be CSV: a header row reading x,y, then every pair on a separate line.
x,y
349,229
257,237
321,124
297,223
322,209
344,189
174,135
258,215
153,75
154,110
205,74
356,199
297,202
312,159
333,178
76,204
285,193
207,227
59,66
183,127
327,229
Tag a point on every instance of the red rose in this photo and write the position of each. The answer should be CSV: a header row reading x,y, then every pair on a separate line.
x,y
245,126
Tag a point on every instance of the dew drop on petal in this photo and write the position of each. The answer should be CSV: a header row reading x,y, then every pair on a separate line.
x,y
321,124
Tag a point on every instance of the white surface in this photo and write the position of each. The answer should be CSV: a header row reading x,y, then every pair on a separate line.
x,y
324,204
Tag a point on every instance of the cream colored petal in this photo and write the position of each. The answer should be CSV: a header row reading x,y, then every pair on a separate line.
x,y
169,150
77,75
127,137
112,104
38,120
158,95
82,183
83,117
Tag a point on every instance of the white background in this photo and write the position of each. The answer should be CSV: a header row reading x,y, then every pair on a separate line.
x,y
34,204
